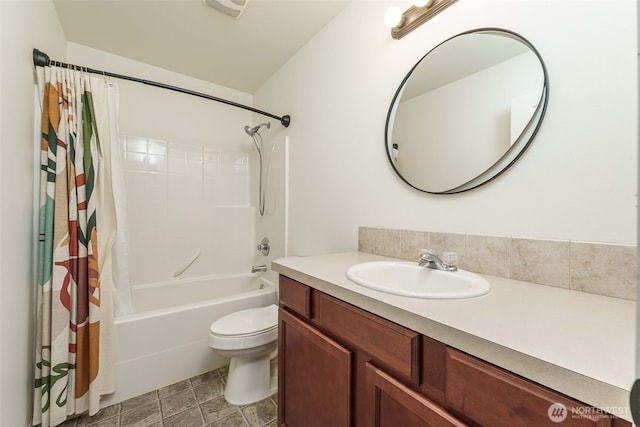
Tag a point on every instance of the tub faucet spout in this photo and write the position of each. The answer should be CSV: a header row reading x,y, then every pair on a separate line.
x,y
259,268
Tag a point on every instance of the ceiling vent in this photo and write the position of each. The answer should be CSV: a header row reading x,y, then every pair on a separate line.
x,y
229,7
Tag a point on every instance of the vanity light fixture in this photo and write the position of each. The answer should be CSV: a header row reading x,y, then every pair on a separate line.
x,y
232,8
393,16
421,11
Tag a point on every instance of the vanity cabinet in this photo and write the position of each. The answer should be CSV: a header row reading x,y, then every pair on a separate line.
x,y
342,366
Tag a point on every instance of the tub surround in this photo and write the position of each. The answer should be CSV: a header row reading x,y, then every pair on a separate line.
x,y
179,194
577,343
597,268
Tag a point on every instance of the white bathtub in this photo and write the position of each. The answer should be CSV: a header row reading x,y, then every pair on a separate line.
x,y
166,340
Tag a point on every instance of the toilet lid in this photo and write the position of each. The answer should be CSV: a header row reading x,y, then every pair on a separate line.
x,y
252,321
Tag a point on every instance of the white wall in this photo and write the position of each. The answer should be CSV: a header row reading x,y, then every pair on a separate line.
x,y
187,172
577,180
24,25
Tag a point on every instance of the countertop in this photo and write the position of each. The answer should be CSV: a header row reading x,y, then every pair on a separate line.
x,y
580,344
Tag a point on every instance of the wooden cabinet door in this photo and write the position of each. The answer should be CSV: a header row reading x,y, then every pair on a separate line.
x,y
494,397
392,404
314,376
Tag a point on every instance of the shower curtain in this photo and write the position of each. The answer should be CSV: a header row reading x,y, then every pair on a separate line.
x,y
78,222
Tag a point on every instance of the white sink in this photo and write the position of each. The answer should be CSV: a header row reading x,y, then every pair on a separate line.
x,y
409,279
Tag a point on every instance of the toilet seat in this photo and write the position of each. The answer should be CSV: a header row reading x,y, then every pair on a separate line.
x,y
246,323
245,329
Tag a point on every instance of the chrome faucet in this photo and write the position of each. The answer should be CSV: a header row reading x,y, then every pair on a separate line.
x,y
429,260
259,268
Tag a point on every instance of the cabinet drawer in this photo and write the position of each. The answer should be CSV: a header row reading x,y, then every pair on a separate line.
x,y
494,397
389,344
295,296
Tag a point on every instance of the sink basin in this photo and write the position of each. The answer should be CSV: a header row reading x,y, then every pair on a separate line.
x,y
409,279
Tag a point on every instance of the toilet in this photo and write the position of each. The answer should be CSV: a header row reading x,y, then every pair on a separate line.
x,y
249,338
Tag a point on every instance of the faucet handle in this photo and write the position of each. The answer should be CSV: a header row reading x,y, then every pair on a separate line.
x,y
450,259
264,246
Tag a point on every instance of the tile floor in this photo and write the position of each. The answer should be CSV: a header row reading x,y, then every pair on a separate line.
x,y
195,402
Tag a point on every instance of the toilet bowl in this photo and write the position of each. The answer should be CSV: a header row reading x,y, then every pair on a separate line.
x,y
249,338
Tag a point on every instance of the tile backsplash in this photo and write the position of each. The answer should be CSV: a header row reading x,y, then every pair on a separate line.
x,y
598,268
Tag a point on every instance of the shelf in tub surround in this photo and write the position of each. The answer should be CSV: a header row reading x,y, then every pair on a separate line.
x,y
580,344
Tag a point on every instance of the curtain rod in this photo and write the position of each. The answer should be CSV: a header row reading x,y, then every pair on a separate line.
x,y
41,59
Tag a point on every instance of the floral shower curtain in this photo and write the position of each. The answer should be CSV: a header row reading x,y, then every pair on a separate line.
x,y
78,227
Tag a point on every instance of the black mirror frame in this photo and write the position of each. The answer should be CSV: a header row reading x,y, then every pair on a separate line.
x,y
497,168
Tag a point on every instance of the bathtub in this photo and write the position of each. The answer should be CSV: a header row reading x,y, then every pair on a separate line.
x,y
165,341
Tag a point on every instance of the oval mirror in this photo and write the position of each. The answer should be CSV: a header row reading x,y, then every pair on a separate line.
x,y
466,111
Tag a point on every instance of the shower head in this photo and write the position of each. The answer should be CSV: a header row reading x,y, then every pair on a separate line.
x,y
252,130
